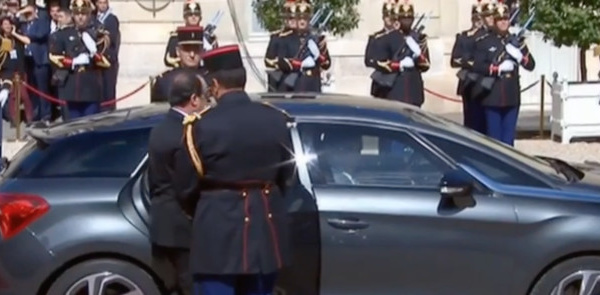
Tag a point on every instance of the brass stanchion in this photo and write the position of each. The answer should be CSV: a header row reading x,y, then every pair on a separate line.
x,y
16,87
542,96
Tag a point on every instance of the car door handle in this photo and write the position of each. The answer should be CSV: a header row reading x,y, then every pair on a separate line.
x,y
347,223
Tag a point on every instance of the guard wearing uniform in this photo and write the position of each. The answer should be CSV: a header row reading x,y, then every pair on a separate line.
x,y
192,15
389,20
189,48
498,56
274,75
404,52
74,54
303,55
473,116
240,151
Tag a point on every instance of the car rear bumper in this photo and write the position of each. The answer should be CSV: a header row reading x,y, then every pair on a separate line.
x,y
24,264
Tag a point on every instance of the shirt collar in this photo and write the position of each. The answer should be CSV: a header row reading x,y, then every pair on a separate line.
x,y
180,111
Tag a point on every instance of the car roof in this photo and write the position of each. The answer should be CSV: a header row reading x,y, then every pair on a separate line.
x,y
298,105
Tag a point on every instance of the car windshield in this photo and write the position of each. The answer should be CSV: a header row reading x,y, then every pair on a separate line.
x,y
490,144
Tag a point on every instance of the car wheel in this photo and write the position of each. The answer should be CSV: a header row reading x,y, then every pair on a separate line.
x,y
575,276
104,277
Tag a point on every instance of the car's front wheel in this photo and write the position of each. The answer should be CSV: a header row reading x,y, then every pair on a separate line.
x,y
104,277
575,276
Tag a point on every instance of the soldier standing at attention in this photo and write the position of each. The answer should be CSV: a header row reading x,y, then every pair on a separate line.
x,y
189,48
404,52
275,76
232,181
499,56
303,53
192,15
75,55
472,115
389,24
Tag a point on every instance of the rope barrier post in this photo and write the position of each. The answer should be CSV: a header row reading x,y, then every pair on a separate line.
x,y
17,89
542,96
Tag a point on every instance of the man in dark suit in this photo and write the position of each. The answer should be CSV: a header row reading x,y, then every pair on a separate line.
x,y
110,22
170,228
240,151
37,65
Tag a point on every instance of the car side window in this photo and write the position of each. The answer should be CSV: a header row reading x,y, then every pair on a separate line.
x,y
366,156
487,164
91,154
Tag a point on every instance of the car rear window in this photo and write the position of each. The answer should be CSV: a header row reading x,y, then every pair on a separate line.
x,y
90,154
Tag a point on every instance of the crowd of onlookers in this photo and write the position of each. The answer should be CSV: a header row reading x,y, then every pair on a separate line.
x,y
25,31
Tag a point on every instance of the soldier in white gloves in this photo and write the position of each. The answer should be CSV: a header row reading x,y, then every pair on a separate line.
x,y
500,56
75,55
405,53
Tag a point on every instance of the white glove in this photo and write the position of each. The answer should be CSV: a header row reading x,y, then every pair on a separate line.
x,y
407,63
514,52
3,97
81,59
414,46
89,43
207,45
308,62
313,48
506,66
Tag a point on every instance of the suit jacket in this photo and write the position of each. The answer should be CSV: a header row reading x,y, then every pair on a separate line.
x,y
111,24
39,32
169,226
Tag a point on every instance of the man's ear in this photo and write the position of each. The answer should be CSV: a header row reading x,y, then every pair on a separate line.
x,y
215,83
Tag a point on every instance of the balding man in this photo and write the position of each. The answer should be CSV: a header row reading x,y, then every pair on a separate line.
x,y
170,228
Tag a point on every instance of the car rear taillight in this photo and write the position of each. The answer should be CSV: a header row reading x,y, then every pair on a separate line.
x,y
17,211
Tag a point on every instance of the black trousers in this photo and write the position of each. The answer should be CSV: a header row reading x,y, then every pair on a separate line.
x,y
173,265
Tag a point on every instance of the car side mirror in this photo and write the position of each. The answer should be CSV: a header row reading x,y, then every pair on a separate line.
x,y
456,184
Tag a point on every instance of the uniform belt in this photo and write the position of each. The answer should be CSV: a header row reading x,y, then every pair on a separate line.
x,y
235,185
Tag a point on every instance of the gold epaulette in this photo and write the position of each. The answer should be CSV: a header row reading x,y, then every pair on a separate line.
x,y
285,33
481,37
270,105
173,34
188,137
277,32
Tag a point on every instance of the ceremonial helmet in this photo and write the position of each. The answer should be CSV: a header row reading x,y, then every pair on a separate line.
x,y
405,9
303,8
289,8
488,8
81,6
477,8
389,8
502,11
192,7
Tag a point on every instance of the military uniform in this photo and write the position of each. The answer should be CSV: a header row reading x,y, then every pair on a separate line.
x,y
210,42
274,75
496,57
462,51
292,51
373,43
395,56
240,150
160,87
77,76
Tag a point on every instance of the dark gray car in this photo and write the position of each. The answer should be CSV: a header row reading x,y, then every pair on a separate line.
x,y
389,200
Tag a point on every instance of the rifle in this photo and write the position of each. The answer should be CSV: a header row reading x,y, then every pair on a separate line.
x,y
209,29
303,53
488,82
387,79
278,74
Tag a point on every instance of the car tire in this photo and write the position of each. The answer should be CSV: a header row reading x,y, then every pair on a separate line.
x,y
569,268
116,268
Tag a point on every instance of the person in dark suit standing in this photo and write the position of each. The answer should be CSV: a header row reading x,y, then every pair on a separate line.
x,y
37,65
170,228
240,151
110,22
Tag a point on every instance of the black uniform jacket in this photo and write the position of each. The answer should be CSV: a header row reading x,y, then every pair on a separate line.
x,y
271,61
240,221
292,48
371,62
408,86
489,53
461,50
80,83
162,84
169,226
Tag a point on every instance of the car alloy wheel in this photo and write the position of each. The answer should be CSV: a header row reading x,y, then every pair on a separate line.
x,y
583,282
105,283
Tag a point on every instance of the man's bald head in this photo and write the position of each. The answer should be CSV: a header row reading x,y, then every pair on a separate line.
x,y
186,88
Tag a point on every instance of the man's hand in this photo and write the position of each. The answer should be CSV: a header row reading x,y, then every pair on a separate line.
x,y
308,62
81,59
407,63
413,46
506,66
